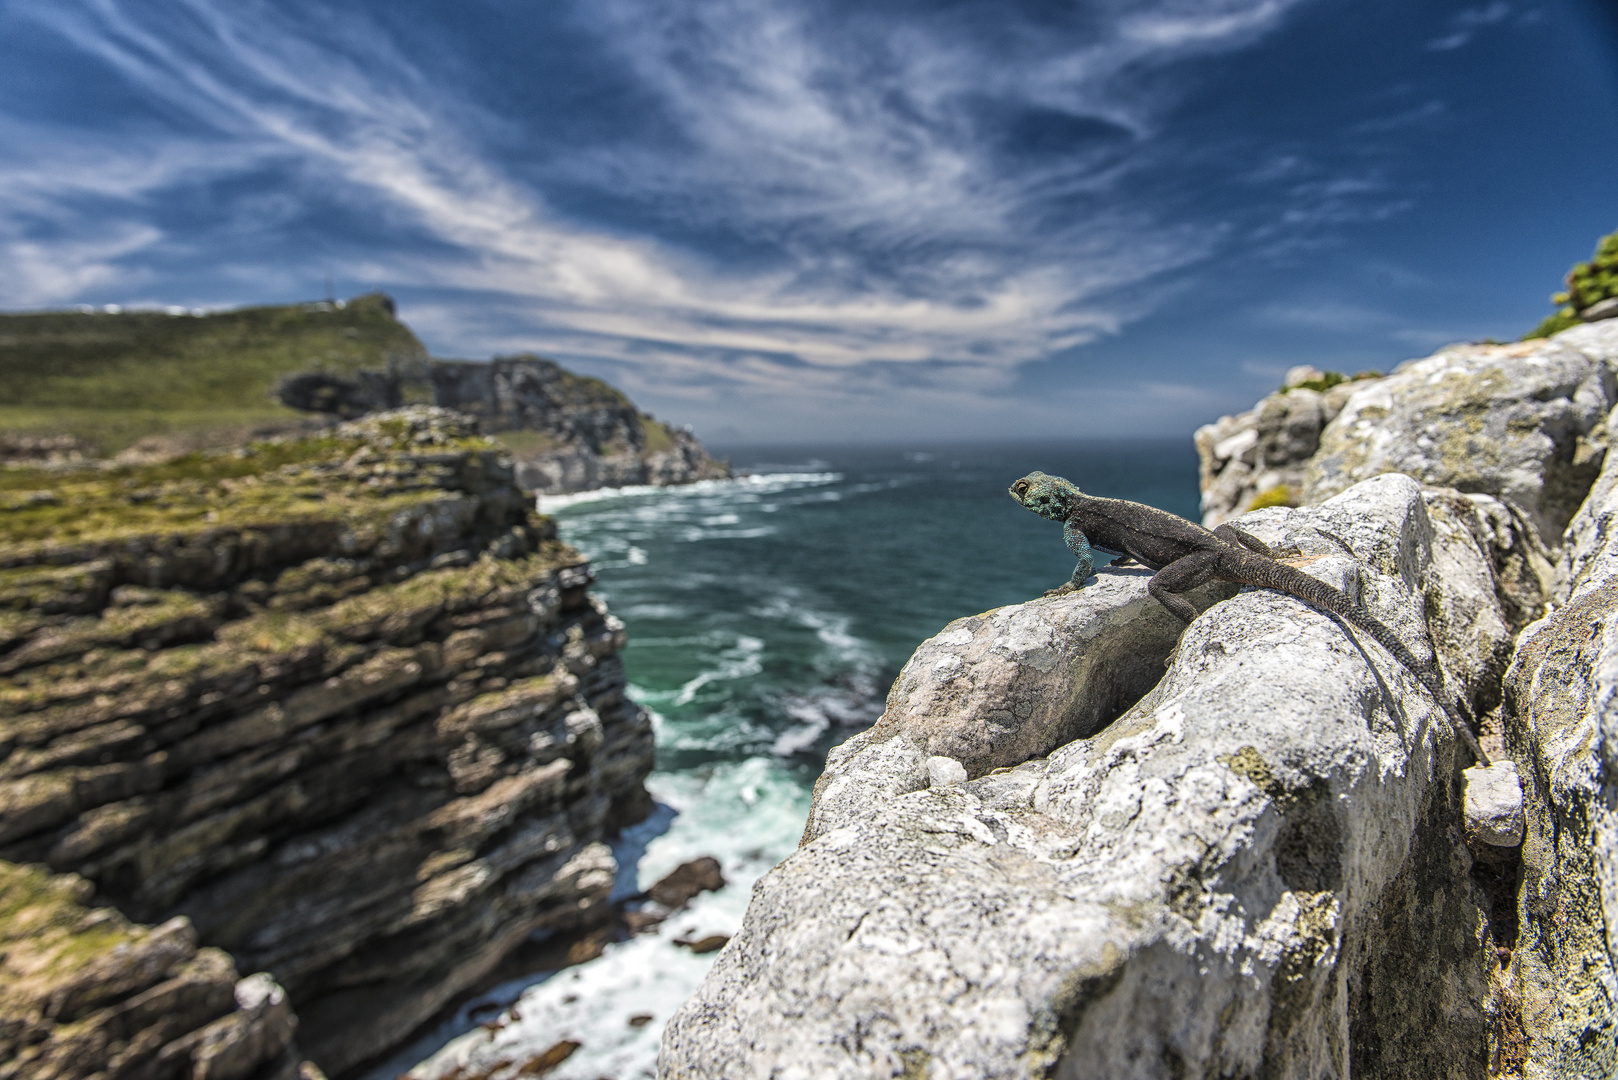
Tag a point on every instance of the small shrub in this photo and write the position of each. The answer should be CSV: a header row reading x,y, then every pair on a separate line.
x,y
1330,379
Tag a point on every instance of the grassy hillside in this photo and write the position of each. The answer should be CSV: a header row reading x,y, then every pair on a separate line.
x,y
111,380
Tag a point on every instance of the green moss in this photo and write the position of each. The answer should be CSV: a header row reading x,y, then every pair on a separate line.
x,y
426,594
45,912
266,485
1321,385
1279,495
112,379
657,436
1248,762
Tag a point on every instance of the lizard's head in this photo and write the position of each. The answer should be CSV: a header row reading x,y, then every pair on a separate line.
x,y
1045,495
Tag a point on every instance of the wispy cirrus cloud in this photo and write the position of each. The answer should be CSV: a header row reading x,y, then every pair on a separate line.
x,y
1465,24
895,190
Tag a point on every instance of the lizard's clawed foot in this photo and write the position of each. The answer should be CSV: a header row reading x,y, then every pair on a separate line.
x,y
1063,589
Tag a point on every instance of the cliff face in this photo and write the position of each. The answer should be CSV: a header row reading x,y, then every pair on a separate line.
x,y
568,432
342,702
1047,860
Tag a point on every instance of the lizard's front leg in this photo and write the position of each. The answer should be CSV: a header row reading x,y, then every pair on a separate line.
x,y
1078,544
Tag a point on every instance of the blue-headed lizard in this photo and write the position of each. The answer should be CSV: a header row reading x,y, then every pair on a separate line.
x,y
1185,555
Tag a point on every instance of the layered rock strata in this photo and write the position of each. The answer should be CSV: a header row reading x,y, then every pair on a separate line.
x,y
83,992
1256,869
343,702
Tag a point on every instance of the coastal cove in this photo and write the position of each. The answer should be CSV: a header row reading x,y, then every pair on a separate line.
x,y
766,617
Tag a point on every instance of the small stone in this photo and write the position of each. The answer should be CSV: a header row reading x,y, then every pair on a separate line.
x,y
1297,376
1601,309
640,1020
711,943
544,1063
687,880
644,920
587,948
945,771
1494,813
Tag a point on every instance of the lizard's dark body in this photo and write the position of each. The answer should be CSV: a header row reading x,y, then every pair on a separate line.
x,y
1186,555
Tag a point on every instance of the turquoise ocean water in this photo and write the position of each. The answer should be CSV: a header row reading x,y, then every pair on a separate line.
x,y
766,618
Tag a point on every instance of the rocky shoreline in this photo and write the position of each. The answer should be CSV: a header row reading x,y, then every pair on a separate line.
x,y
1076,846
338,705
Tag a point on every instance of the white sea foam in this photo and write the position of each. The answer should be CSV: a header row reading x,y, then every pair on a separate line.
x,y
741,661
741,485
694,535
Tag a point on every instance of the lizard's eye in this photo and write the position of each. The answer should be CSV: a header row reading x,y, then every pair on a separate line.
x,y
1020,487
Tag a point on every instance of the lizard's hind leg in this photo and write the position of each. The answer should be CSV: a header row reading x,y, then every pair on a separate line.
x,y
1242,538
1183,575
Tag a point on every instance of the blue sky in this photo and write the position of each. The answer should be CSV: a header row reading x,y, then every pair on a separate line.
x,y
799,219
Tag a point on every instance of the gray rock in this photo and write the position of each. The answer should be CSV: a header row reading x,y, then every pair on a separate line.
x,y
568,432
1494,805
1601,309
1562,728
1255,869
1522,422
1471,628
993,690
1263,452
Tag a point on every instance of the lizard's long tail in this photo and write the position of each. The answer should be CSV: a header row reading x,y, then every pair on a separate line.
x,y
1331,601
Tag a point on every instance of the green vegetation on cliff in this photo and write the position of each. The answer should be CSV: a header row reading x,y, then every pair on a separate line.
x,y
110,380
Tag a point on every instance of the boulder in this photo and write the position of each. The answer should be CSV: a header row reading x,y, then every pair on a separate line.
x,y
1523,422
1258,868
994,690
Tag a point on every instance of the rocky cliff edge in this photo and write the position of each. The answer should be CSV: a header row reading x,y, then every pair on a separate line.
x,y
1080,843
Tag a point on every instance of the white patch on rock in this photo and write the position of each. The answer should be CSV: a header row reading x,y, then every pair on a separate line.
x,y
943,771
